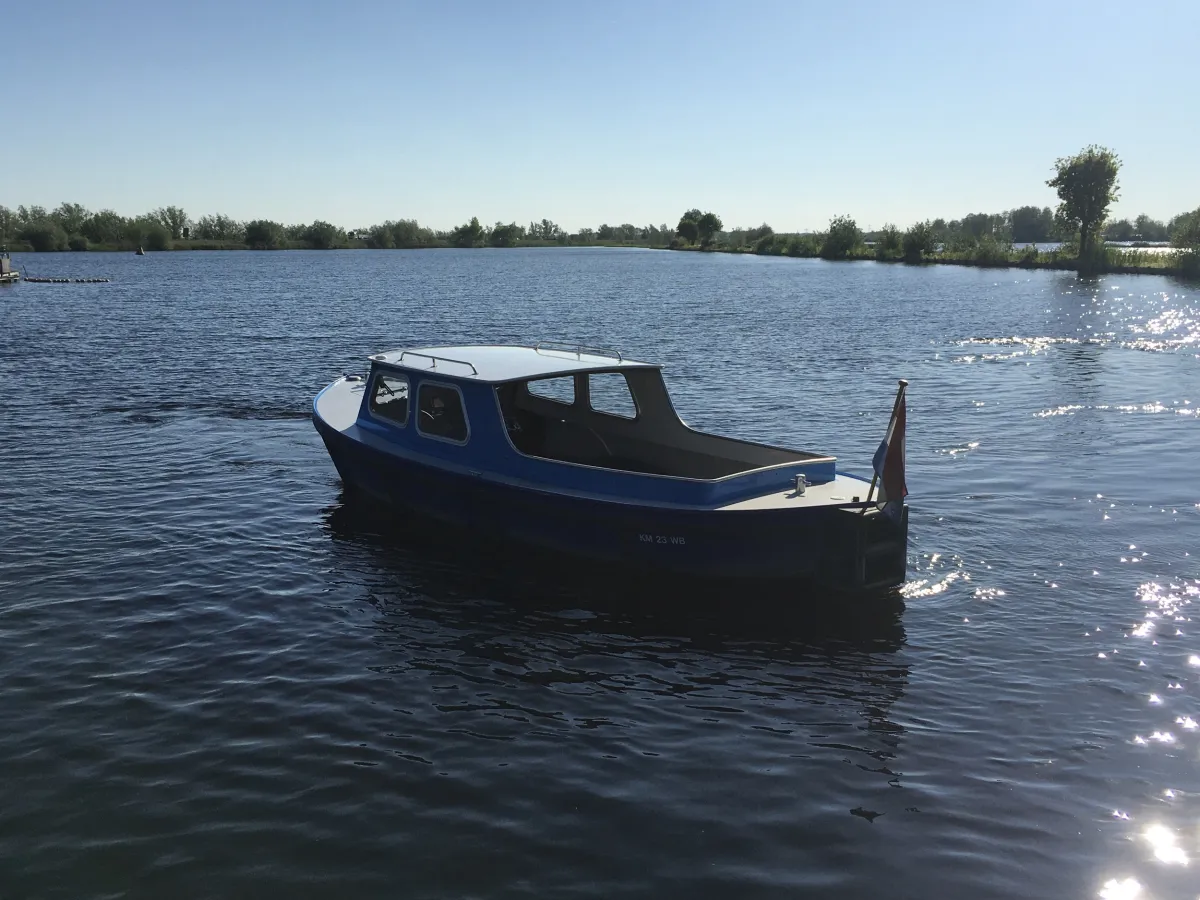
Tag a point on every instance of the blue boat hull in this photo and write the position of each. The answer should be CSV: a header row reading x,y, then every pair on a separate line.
x,y
836,548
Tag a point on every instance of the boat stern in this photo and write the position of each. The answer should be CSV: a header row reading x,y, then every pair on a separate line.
x,y
867,549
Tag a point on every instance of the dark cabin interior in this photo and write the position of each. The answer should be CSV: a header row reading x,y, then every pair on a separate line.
x,y
654,441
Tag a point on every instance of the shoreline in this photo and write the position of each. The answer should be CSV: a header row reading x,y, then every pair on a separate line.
x,y
1015,261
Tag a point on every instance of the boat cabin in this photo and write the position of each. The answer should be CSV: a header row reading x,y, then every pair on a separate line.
x,y
552,403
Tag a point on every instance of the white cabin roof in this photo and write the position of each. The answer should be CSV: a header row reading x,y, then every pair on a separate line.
x,y
498,363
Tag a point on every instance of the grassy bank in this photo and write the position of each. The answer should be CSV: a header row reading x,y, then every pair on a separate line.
x,y
1115,261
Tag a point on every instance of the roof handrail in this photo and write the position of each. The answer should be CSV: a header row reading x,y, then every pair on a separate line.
x,y
434,359
577,349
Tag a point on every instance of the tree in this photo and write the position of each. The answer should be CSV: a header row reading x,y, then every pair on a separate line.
x,y
843,236
219,228
408,233
263,234
70,216
919,241
27,215
1148,229
8,224
157,236
468,235
323,236
506,235
1185,231
770,245
1031,225
380,237
1119,231
756,234
688,229
1185,234
708,225
545,230
78,242
171,218
803,245
44,236
889,242
1087,186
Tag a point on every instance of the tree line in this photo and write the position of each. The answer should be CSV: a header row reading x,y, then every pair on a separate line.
x,y
71,226
1086,184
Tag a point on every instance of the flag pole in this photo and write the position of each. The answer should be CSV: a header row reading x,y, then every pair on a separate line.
x,y
895,410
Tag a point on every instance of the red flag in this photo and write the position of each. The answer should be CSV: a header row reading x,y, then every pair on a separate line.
x,y
888,461
892,486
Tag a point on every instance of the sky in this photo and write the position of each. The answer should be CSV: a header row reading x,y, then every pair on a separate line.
x,y
787,112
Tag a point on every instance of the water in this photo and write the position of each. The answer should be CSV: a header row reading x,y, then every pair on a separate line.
x,y
218,680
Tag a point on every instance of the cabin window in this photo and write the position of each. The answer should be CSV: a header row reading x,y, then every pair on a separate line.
x,y
389,398
608,392
560,390
440,413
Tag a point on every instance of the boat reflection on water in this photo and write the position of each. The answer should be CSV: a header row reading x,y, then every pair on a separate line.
x,y
607,717
426,562
442,601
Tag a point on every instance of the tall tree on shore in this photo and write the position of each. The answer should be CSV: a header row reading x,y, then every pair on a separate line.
x,y
28,214
843,236
71,217
687,228
263,234
172,218
104,227
708,225
468,235
919,241
8,224
1087,186
219,228
889,242
323,236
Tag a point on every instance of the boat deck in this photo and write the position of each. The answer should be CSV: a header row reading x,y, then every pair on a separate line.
x,y
843,489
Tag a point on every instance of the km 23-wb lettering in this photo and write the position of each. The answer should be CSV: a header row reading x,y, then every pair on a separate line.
x,y
661,539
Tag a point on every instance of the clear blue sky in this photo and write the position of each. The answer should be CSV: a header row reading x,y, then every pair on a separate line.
x,y
784,112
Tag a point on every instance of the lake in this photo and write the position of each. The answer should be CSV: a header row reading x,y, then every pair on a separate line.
x,y
218,679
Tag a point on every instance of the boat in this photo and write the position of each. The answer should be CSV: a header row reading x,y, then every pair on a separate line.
x,y
8,275
579,451
139,252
